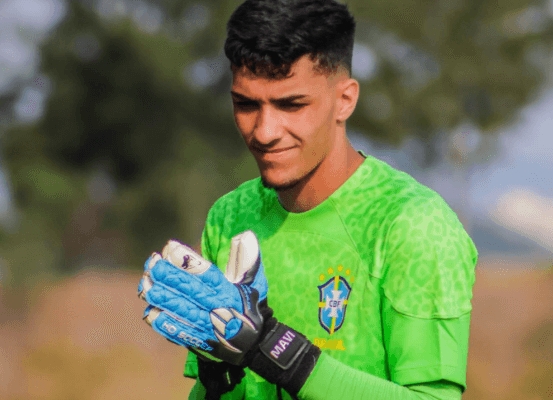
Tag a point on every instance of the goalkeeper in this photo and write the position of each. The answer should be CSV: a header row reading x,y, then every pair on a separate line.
x,y
343,277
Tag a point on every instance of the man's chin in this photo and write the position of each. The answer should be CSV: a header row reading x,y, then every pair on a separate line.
x,y
279,186
285,184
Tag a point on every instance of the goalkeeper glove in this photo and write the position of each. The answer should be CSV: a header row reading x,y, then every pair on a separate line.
x,y
225,317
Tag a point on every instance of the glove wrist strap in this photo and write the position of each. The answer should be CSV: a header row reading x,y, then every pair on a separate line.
x,y
284,357
283,346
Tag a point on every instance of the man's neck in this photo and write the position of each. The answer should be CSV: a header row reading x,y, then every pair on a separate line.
x,y
330,175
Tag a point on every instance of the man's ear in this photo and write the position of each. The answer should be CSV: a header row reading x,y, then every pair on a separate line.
x,y
347,94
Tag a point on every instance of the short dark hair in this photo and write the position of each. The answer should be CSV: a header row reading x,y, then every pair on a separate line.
x,y
268,36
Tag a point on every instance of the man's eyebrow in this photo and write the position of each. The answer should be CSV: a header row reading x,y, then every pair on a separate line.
x,y
286,99
239,96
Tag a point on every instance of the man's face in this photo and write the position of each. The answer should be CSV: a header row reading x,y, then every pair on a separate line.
x,y
289,124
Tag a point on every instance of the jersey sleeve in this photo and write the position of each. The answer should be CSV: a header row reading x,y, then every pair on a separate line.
x,y
427,291
209,237
424,350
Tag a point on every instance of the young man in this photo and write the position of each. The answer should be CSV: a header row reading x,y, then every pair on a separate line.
x,y
372,267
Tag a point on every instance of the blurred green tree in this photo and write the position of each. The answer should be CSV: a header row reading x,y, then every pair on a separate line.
x,y
445,63
137,137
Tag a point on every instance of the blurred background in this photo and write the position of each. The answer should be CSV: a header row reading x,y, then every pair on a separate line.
x,y
116,133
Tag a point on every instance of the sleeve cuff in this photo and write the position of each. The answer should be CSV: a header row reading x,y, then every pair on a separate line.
x,y
436,373
191,366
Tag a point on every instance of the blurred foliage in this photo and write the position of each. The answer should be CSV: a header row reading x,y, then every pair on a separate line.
x,y
443,63
137,138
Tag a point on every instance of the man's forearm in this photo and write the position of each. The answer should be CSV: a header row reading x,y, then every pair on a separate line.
x,y
331,379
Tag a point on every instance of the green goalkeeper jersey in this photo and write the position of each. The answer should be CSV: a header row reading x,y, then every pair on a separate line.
x,y
379,275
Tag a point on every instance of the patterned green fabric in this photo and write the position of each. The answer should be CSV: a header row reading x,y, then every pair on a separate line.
x,y
381,248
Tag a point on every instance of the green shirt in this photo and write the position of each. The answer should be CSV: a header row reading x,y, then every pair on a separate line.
x,y
379,275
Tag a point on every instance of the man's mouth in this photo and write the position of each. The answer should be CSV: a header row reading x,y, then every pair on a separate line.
x,y
270,155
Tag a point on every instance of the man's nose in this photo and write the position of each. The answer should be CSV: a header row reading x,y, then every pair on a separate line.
x,y
268,126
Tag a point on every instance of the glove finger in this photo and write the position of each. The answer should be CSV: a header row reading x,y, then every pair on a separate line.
x,y
198,307
179,331
185,257
146,283
244,258
181,305
245,266
151,261
209,289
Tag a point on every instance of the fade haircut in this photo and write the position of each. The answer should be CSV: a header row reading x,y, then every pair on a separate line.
x,y
268,36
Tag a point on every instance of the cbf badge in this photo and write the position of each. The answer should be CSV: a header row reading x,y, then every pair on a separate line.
x,y
333,301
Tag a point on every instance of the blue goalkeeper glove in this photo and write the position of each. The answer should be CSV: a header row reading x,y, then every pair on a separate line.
x,y
224,317
193,304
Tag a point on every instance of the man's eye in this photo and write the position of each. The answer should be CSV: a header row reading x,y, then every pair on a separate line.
x,y
291,106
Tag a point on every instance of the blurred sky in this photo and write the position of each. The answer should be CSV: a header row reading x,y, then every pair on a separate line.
x,y
23,23
517,189
520,173
526,157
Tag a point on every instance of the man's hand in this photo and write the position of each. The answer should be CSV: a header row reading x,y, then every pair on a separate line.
x,y
224,317
193,304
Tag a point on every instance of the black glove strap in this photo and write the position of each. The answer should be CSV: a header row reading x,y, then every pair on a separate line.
x,y
283,346
284,357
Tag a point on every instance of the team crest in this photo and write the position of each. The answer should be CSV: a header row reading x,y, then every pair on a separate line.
x,y
333,301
